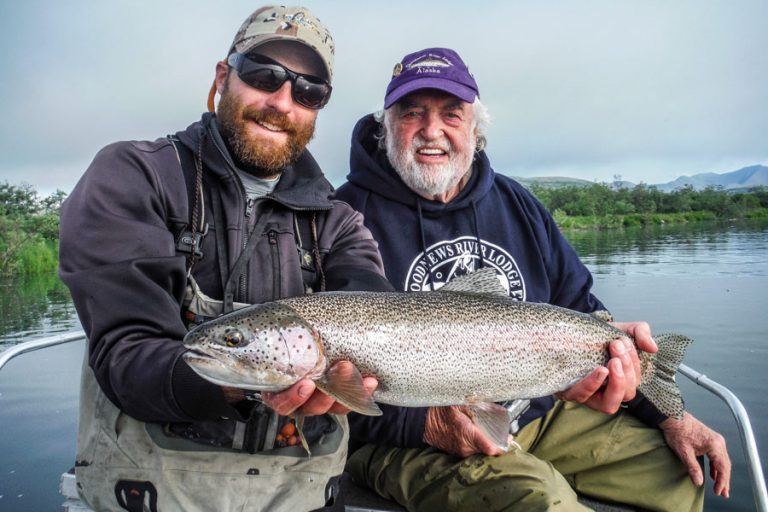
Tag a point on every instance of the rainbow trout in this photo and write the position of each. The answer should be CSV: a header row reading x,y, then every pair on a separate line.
x,y
467,343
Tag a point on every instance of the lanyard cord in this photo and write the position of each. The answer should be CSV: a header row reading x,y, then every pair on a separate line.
x,y
239,267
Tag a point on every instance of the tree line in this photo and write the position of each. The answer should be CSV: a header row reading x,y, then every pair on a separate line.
x,y
29,230
29,224
601,205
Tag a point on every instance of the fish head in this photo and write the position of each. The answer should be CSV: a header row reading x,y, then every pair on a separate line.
x,y
266,347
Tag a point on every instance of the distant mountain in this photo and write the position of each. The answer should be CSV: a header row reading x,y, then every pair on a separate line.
x,y
743,179
748,177
553,182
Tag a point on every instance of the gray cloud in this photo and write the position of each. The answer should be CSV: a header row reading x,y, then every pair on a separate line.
x,y
650,90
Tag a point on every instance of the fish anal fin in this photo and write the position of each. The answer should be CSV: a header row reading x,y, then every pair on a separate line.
x,y
343,382
481,282
492,420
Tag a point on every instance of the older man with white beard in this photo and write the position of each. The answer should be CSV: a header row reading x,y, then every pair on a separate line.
x,y
429,195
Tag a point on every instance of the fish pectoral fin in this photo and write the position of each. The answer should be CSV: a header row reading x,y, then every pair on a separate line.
x,y
492,419
343,382
300,429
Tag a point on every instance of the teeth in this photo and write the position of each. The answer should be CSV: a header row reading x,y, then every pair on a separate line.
x,y
431,151
270,127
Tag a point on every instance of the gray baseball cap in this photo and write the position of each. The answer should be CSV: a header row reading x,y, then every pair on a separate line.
x,y
280,23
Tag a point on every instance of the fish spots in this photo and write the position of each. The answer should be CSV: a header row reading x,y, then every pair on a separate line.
x,y
430,348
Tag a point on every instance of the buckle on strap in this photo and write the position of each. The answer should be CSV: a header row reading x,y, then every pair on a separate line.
x,y
135,496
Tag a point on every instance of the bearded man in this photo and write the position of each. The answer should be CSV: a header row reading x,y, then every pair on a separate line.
x,y
160,235
421,177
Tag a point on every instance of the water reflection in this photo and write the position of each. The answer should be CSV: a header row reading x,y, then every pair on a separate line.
x,y
34,306
705,249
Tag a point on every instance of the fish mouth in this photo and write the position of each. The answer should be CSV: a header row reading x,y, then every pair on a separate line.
x,y
193,356
217,372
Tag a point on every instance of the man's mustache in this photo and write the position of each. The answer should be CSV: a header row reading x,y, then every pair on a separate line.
x,y
271,117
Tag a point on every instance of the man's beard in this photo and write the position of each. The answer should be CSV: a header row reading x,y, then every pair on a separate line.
x,y
425,179
259,156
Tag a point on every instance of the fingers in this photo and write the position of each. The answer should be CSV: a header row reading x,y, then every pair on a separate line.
x,y
629,366
641,333
305,395
720,466
615,390
369,383
287,401
450,429
694,468
319,403
586,387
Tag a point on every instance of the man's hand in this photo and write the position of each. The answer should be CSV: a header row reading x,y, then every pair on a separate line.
x,y
450,429
312,401
607,386
304,395
689,438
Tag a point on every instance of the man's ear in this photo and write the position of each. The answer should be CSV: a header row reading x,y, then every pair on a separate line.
x,y
222,70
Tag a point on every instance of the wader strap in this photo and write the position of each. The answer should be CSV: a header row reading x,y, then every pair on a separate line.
x,y
189,240
221,237
239,267
305,224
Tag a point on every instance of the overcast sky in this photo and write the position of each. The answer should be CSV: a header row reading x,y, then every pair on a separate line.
x,y
649,90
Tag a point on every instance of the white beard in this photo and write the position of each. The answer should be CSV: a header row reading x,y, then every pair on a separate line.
x,y
427,180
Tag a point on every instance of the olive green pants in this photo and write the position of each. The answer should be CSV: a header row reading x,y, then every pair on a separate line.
x,y
613,458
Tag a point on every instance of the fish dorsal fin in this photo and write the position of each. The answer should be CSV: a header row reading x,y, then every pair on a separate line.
x,y
481,282
602,314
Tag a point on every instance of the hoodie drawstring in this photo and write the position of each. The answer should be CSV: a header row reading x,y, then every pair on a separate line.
x,y
424,244
477,234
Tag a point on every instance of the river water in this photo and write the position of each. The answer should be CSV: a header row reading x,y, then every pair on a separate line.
x,y
709,282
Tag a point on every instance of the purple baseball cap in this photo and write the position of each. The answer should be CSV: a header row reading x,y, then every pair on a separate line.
x,y
432,68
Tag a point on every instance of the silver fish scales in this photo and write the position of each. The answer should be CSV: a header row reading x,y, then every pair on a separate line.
x,y
467,343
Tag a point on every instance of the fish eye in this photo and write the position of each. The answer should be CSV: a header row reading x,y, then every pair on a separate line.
x,y
233,338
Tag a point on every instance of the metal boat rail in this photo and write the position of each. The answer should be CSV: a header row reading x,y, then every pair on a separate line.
x,y
37,344
748,444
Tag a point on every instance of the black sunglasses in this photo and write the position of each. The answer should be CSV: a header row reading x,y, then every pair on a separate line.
x,y
267,75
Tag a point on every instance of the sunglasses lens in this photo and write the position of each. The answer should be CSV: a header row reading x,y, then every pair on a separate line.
x,y
266,78
306,90
310,94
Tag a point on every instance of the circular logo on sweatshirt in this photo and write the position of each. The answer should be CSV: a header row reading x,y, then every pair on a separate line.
x,y
453,258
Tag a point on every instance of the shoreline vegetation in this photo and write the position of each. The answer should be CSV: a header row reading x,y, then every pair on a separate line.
x,y
29,224
601,206
29,230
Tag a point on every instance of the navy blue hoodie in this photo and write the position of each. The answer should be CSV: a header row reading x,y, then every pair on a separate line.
x,y
493,222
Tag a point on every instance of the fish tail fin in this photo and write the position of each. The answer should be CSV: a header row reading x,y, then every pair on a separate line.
x,y
660,387
343,382
492,420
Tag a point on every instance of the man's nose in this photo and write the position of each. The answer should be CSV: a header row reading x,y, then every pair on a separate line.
x,y
432,127
281,100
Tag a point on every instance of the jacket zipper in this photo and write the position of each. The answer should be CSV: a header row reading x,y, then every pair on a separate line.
x,y
276,277
243,290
